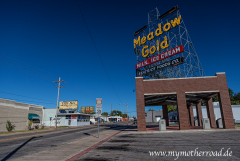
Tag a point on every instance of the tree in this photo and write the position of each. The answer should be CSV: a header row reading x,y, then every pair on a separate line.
x,y
124,116
104,114
151,109
116,113
234,97
171,108
215,99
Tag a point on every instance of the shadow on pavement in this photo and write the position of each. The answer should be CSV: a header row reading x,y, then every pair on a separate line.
x,y
14,151
89,135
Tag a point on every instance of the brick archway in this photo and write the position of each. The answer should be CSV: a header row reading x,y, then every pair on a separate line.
x,y
183,92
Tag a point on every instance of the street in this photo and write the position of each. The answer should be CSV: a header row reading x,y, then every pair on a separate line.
x,y
18,145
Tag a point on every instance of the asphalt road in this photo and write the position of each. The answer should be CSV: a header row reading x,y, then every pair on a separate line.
x,y
17,145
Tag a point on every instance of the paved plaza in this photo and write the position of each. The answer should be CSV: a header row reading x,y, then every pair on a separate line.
x,y
154,145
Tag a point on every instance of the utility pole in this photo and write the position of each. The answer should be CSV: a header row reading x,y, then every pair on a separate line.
x,y
127,113
124,111
58,86
111,113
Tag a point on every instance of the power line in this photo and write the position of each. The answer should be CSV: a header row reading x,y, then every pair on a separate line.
x,y
27,101
25,96
97,51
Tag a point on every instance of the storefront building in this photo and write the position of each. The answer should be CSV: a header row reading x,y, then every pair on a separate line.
x,y
65,118
19,114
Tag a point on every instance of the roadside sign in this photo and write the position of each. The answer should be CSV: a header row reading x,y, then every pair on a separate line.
x,y
99,106
50,118
98,110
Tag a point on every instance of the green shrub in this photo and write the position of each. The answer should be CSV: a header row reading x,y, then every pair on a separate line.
x,y
30,124
10,126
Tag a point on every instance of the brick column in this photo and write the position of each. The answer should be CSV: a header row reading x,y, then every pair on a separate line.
x,y
190,111
182,111
165,114
224,102
141,121
199,113
210,112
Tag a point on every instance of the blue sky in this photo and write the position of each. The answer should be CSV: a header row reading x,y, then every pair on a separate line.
x,y
43,39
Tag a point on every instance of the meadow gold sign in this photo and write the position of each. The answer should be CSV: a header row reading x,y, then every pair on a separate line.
x,y
146,50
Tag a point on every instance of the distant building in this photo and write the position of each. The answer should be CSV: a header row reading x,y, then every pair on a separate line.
x,y
235,109
65,118
19,114
153,116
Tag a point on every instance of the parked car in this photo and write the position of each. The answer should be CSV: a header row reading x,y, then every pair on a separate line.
x,y
135,122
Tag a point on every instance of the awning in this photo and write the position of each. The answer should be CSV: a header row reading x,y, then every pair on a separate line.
x,y
32,116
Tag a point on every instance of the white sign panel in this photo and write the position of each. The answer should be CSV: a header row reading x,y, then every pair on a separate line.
x,y
99,106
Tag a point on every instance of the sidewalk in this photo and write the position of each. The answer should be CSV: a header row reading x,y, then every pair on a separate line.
x,y
71,149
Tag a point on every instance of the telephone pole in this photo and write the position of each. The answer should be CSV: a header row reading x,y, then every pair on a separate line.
x,y
127,113
58,86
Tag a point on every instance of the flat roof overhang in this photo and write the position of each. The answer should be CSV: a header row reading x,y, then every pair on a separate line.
x,y
158,99
64,114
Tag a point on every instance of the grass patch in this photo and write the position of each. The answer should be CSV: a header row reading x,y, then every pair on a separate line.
x,y
173,124
238,124
41,129
63,126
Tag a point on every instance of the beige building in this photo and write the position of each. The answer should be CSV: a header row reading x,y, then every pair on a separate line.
x,y
19,114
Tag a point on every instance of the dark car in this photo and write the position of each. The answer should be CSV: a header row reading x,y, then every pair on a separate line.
x,y
135,122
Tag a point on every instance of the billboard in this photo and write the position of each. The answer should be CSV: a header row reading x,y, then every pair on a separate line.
x,y
163,39
88,109
64,105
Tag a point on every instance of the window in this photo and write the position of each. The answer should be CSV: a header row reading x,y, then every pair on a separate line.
x,y
68,116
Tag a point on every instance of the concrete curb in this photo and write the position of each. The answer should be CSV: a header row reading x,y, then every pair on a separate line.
x,y
179,131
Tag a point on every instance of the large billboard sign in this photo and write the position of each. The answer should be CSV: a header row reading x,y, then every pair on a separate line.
x,y
88,109
158,43
64,105
99,106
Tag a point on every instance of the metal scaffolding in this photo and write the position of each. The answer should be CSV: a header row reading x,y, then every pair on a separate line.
x,y
176,36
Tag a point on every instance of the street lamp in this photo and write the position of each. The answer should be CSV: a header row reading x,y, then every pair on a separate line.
x,y
127,111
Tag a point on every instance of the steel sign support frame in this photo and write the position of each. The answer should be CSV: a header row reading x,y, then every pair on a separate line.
x,y
176,36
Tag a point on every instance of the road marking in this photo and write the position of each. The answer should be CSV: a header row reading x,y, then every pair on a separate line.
x,y
120,155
